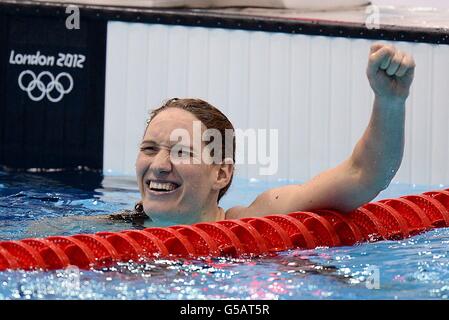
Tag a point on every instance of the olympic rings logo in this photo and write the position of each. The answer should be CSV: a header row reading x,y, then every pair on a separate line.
x,y
37,89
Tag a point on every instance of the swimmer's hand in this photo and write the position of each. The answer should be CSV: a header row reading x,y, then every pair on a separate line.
x,y
390,72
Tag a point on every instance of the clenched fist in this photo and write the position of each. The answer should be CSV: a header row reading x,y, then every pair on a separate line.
x,y
390,72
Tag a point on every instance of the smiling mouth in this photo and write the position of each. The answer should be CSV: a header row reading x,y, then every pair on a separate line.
x,y
161,186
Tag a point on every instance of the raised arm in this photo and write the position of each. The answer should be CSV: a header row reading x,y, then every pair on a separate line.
x,y
375,158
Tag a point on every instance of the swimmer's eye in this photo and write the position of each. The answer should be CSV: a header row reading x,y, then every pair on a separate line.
x,y
148,149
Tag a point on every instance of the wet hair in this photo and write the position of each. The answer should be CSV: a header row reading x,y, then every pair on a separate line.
x,y
212,118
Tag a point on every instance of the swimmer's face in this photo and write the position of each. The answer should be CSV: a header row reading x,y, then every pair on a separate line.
x,y
173,191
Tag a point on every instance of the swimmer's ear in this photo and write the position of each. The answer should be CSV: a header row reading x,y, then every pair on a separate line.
x,y
224,174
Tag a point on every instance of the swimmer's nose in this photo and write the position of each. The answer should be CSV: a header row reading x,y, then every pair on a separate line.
x,y
161,162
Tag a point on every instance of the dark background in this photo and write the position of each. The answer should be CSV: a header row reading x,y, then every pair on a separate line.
x,y
67,134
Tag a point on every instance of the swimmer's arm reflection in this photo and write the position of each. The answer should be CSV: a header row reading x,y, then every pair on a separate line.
x,y
375,159
137,216
118,220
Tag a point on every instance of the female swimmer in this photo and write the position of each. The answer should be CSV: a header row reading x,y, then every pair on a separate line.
x,y
178,186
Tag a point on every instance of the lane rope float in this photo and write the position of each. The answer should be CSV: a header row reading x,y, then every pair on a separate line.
x,y
388,219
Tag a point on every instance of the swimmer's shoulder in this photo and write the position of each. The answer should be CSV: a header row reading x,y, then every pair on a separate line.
x,y
266,203
237,212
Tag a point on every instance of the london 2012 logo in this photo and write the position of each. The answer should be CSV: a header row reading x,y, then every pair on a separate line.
x,y
45,84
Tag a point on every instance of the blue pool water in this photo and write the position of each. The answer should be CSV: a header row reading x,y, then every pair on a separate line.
x,y
37,205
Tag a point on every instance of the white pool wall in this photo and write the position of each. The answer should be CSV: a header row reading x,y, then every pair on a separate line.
x,y
312,89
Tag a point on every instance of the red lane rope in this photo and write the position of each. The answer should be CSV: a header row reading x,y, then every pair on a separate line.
x,y
174,241
322,230
53,255
391,219
252,241
7,261
275,237
152,246
127,248
435,211
368,224
300,236
204,245
395,224
347,231
416,218
77,252
228,243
